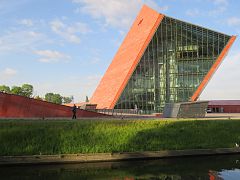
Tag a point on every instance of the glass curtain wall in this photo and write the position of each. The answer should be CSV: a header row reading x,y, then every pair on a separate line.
x,y
174,64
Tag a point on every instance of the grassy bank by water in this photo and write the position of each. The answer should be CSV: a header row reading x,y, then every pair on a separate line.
x,y
25,137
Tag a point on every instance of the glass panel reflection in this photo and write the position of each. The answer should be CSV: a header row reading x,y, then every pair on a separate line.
x,y
173,66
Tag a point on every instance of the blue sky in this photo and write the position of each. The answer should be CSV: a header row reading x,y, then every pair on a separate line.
x,y
65,46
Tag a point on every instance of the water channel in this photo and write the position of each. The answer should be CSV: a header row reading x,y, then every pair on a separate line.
x,y
224,167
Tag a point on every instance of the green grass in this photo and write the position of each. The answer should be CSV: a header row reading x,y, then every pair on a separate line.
x,y
31,137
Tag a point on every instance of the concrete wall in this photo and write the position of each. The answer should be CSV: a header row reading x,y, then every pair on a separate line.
x,y
14,106
171,110
185,110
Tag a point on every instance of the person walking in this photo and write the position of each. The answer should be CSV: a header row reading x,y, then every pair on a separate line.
x,y
135,108
74,111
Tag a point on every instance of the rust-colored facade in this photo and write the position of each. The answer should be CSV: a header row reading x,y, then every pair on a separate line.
x,y
126,59
161,60
14,106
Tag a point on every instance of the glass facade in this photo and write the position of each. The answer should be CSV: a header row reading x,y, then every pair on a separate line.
x,y
173,66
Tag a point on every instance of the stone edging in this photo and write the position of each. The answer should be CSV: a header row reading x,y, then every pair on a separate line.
x,y
100,157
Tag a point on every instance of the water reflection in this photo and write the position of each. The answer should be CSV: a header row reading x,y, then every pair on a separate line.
x,y
225,167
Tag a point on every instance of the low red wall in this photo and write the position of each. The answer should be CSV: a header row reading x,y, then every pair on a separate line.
x,y
14,106
227,108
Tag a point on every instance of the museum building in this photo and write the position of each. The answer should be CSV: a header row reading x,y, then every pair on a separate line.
x,y
161,60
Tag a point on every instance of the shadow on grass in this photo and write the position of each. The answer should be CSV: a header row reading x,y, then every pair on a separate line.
x,y
187,135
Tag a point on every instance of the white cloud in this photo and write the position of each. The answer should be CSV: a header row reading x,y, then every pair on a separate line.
x,y
7,7
193,12
95,60
21,41
163,8
26,22
221,2
48,56
218,7
217,11
69,32
114,12
7,73
233,21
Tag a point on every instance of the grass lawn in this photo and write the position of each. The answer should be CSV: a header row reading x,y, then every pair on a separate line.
x,y
32,137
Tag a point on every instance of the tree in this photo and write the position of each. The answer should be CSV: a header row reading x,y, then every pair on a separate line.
x,y
16,90
67,99
27,90
54,98
5,89
87,100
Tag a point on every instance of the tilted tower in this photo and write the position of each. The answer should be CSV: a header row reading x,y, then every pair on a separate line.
x,y
161,60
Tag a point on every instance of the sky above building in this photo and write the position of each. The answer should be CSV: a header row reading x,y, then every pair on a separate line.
x,y
65,46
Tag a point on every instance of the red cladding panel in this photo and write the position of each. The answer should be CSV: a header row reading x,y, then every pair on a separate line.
x,y
13,106
128,56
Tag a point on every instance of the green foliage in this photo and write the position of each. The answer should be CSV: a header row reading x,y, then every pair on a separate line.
x,y
57,98
27,90
19,137
5,89
67,99
54,98
16,90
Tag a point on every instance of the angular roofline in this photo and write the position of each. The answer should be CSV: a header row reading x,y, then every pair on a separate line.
x,y
209,29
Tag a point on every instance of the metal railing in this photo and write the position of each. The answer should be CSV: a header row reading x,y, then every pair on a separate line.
x,y
119,112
